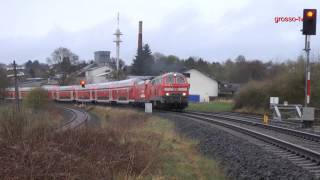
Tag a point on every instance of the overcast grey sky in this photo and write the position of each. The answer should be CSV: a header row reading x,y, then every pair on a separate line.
x,y
212,29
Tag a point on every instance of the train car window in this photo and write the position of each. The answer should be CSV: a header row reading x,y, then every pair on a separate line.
x,y
158,81
170,79
180,80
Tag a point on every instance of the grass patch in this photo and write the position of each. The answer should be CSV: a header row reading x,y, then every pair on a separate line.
x,y
179,156
250,110
17,126
176,156
127,145
216,106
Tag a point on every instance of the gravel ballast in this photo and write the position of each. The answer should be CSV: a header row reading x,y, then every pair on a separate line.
x,y
240,157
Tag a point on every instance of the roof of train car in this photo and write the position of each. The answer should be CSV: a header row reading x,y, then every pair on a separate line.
x,y
50,87
66,87
122,83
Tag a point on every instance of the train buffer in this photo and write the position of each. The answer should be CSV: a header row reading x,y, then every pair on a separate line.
x,y
295,113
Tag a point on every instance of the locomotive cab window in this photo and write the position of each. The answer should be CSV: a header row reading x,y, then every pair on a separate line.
x,y
156,81
170,79
180,80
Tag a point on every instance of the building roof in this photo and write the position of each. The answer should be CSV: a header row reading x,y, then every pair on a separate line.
x,y
98,67
209,76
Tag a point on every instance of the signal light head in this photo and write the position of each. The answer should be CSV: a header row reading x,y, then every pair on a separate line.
x,y
309,22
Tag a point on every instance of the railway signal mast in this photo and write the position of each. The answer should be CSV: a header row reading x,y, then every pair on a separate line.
x,y
309,28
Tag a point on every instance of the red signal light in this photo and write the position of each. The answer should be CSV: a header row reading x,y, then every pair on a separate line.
x,y
83,83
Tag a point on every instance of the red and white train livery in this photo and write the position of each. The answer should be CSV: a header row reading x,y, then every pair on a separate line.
x,y
169,90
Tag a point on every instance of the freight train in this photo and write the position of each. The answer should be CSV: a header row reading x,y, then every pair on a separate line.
x,y
169,90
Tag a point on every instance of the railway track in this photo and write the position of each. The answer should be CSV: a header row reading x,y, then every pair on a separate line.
x,y
78,118
301,148
258,123
257,118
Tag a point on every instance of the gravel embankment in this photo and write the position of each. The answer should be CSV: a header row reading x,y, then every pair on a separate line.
x,y
240,157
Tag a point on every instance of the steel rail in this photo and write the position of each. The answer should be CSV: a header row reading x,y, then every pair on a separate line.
x,y
78,118
288,146
293,132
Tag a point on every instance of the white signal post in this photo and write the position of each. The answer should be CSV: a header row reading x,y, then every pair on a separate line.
x,y
308,82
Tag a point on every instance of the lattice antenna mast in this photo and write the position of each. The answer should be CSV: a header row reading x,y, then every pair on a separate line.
x,y
118,41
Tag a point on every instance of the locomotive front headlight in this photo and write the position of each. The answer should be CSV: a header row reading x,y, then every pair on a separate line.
x,y
167,94
184,94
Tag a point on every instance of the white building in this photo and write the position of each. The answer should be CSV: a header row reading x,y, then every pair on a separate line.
x,y
98,74
202,87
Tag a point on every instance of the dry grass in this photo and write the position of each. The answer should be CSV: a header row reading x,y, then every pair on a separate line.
x,y
173,156
128,145
30,148
251,110
16,126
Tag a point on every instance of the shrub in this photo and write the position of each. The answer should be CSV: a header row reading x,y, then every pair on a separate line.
x,y
252,95
16,126
12,124
288,86
37,99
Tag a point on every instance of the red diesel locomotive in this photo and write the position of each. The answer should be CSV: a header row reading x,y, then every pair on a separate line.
x,y
169,90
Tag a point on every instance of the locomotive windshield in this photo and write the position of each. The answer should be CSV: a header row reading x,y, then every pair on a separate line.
x,y
170,79
180,80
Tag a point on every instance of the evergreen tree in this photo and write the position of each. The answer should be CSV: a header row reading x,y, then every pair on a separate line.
x,y
143,62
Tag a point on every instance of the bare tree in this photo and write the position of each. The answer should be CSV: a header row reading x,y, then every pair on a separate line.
x,y
64,62
62,53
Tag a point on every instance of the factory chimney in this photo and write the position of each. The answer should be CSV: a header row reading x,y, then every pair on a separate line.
x,y
140,37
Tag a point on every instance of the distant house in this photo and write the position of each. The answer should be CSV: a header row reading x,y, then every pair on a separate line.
x,y
98,74
203,88
98,71
227,89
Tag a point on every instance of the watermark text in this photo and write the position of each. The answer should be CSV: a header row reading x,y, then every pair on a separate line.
x,y
287,19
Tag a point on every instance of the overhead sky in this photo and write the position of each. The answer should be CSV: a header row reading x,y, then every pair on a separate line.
x,y
212,29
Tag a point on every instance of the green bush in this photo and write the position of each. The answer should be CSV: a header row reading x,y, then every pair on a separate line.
x,y
252,95
288,86
37,99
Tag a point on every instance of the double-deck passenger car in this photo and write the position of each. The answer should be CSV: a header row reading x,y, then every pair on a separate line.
x,y
169,90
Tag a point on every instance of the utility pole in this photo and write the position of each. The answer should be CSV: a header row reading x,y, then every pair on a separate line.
x,y
16,87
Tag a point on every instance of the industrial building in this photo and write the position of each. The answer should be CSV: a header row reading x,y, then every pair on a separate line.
x,y
202,87
101,58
